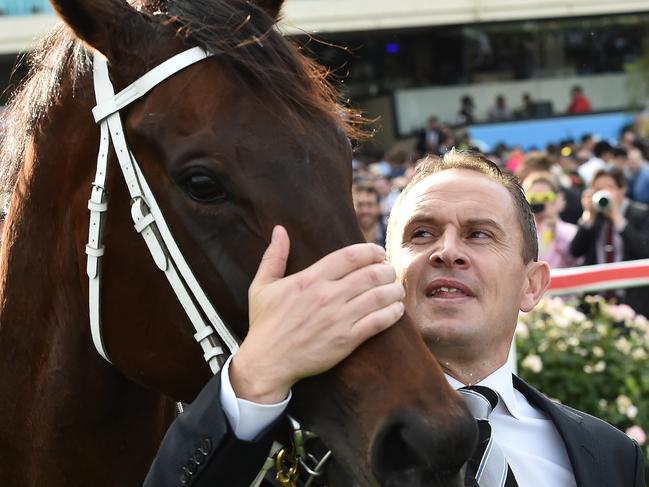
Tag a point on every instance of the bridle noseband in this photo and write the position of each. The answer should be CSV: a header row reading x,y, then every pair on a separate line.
x,y
211,333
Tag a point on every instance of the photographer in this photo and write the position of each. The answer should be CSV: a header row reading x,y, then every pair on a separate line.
x,y
613,229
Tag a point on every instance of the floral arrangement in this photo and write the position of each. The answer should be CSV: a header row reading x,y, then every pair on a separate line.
x,y
590,355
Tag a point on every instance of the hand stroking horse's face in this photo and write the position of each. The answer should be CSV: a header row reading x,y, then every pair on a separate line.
x,y
231,146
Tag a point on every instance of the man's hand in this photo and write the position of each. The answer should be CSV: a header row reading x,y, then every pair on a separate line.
x,y
615,214
304,324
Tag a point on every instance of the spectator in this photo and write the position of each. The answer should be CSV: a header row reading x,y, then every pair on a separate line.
x,y
579,102
621,161
628,138
466,115
387,196
587,145
554,235
532,162
639,172
500,112
527,108
602,159
429,138
399,159
447,141
613,230
368,213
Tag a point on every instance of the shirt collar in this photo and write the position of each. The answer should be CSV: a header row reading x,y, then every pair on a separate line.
x,y
499,381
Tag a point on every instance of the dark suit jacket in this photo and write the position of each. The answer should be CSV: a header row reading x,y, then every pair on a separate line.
x,y
636,246
200,449
601,455
201,441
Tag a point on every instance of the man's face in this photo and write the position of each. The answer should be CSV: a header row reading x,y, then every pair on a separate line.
x,y
636,160
460,260
552,207
367,209
607,183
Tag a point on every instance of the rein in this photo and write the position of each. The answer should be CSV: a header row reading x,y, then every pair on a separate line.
x,y
211,333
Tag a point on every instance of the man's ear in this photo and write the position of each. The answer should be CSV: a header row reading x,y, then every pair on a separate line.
x,y
536,282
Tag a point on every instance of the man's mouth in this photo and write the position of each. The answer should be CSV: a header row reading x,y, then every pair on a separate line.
x,y
446,291
443,289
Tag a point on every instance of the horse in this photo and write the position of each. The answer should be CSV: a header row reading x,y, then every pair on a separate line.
x,y
248,138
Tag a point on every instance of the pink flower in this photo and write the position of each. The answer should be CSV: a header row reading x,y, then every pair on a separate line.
x,y
621,312
638,434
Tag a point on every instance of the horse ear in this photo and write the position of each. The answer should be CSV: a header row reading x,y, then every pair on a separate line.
x,y
106,25
273,7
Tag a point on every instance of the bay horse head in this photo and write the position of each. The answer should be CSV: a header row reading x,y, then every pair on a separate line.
x,y
230,146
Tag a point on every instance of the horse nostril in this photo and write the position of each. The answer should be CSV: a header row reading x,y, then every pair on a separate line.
x,y
410,452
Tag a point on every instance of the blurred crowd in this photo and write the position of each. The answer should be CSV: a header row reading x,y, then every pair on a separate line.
x,y
528,108
589,197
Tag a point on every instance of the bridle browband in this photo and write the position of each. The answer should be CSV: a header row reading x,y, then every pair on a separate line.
x,y
211,333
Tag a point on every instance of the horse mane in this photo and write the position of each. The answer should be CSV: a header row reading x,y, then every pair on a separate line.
x,y
241,33
57,53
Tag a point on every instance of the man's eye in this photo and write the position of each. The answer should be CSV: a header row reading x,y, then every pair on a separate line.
x,y
479,234
421,234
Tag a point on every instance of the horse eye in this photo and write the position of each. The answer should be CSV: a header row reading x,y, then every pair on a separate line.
x,y
203,188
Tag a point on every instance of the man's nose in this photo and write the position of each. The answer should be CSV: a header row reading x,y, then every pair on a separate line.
x,y
449,252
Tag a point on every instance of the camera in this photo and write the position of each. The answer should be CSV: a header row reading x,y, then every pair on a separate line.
x,y
602,200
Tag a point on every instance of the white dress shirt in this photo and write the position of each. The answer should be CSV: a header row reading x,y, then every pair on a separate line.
x,y
247,419
528,438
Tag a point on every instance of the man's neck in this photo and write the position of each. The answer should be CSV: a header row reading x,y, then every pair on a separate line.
x,y
467,376
471,372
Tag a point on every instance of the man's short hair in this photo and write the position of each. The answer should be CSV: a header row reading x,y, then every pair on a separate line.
x,y
616,174
472,161
601,148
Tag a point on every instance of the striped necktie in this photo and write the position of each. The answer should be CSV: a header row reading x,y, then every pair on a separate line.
x,y
488,465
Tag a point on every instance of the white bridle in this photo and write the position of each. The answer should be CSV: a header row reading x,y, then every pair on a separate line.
x,y
211,332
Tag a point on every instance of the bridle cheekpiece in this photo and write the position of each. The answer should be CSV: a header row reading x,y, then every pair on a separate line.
x,y
211,333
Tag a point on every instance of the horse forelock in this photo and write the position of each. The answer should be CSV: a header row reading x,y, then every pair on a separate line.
x,y
246,40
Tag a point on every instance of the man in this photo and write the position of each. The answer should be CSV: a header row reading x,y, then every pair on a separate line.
x,y
466,114
429,139
500,112
368,213
614,230
461,238
526,110
602,158
639,170
579,103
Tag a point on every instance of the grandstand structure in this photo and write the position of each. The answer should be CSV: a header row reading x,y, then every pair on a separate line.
x,y
405,61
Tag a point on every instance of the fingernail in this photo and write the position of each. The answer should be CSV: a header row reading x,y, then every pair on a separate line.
x,y
273,236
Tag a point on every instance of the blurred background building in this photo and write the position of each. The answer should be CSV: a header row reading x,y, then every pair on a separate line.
x,y
409,60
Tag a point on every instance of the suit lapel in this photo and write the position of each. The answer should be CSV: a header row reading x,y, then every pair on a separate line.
x,y
582,448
